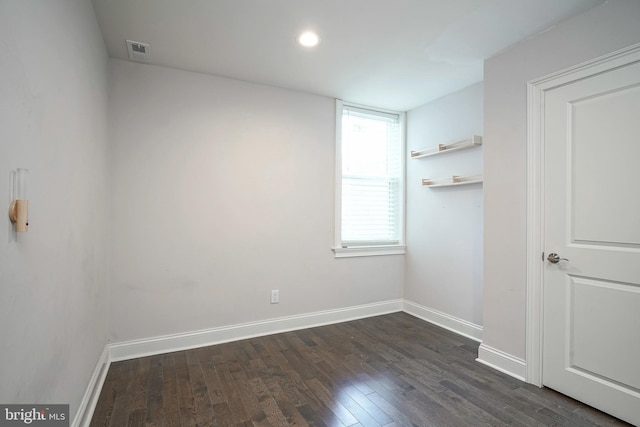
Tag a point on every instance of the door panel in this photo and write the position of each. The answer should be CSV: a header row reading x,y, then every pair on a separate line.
x,y
595,308
591,331
602,173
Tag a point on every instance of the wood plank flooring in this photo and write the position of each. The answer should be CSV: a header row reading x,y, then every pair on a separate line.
x,y
392,370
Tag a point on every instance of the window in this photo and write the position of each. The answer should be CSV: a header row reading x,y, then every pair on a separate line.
x,y
370,181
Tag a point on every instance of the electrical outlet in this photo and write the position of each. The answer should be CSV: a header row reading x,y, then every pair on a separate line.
x,y
275,296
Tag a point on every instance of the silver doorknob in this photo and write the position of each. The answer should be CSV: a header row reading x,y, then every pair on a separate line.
x,y
554,258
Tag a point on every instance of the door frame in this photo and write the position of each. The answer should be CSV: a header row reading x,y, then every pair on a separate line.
x,y
536,92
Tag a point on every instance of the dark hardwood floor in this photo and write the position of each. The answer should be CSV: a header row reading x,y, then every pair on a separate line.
x,y
392,370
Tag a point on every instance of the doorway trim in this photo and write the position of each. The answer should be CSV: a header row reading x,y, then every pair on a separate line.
x,y
536,92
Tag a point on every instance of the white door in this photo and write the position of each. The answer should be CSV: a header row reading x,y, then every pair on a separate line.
x,y
591,301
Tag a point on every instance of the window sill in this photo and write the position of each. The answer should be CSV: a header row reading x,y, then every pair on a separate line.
x,y
369,251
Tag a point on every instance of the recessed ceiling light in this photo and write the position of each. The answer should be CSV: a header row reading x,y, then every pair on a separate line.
x,y
308,39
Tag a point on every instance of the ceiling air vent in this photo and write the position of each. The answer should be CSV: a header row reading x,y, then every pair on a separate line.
x,y
139,51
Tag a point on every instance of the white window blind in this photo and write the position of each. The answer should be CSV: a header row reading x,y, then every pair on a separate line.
x,y
371,177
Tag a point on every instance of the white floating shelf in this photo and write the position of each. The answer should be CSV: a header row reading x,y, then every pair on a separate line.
x,y
474,141
451,181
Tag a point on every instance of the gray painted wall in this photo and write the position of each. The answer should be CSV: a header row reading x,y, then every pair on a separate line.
x,y
444,226
53,278
611,26
222,191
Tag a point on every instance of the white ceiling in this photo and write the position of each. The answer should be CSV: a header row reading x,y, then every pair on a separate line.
x,y
395,54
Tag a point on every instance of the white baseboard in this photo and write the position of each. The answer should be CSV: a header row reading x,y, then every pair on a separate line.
x,y
503,362
185,341
91,395
446,321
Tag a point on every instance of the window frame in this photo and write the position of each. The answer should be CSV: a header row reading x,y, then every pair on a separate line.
x,y
370,250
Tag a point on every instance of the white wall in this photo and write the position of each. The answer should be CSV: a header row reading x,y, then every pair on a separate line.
x,y
614,25
53,279
222,191
444,225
